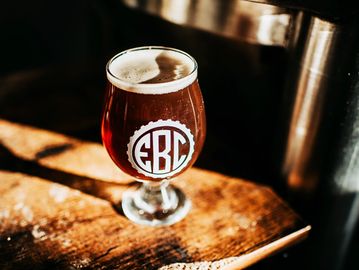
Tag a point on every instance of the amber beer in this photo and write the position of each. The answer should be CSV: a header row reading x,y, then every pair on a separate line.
x,y
153,124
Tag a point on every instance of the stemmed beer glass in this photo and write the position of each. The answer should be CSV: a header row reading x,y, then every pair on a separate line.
x,y
153,127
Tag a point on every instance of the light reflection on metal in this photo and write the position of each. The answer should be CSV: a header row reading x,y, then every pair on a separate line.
x,y
312,85
238,19
321,84
347,173
176,10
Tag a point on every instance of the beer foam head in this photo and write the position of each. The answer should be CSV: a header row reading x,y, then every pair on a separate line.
x,y
152,70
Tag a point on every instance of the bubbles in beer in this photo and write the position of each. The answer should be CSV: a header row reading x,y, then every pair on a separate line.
x,y
154,71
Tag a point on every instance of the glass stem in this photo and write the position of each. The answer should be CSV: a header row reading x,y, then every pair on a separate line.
x,y
154,196
155,204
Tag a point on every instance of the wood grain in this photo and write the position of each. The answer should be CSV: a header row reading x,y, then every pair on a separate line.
x,y
59,209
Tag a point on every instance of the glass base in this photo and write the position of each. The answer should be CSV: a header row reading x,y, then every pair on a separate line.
x,y
155,204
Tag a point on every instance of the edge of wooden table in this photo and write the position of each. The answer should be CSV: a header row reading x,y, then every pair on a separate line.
x,y
267,250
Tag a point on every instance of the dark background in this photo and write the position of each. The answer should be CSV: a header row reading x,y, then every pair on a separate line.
x,y
52,75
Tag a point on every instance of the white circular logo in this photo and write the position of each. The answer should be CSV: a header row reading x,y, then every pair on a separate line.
x,y
160,149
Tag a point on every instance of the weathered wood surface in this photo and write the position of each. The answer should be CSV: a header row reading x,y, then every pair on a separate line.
x,y
59,209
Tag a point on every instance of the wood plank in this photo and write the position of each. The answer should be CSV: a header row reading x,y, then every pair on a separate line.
x,y
59,209
60,152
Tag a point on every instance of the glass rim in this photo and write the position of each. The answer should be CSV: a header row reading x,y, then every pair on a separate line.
x,y
147,87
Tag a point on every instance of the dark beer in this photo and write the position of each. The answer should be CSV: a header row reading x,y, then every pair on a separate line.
x,y
153,124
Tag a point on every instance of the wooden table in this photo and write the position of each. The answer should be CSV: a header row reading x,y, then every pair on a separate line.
x,y
59,209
